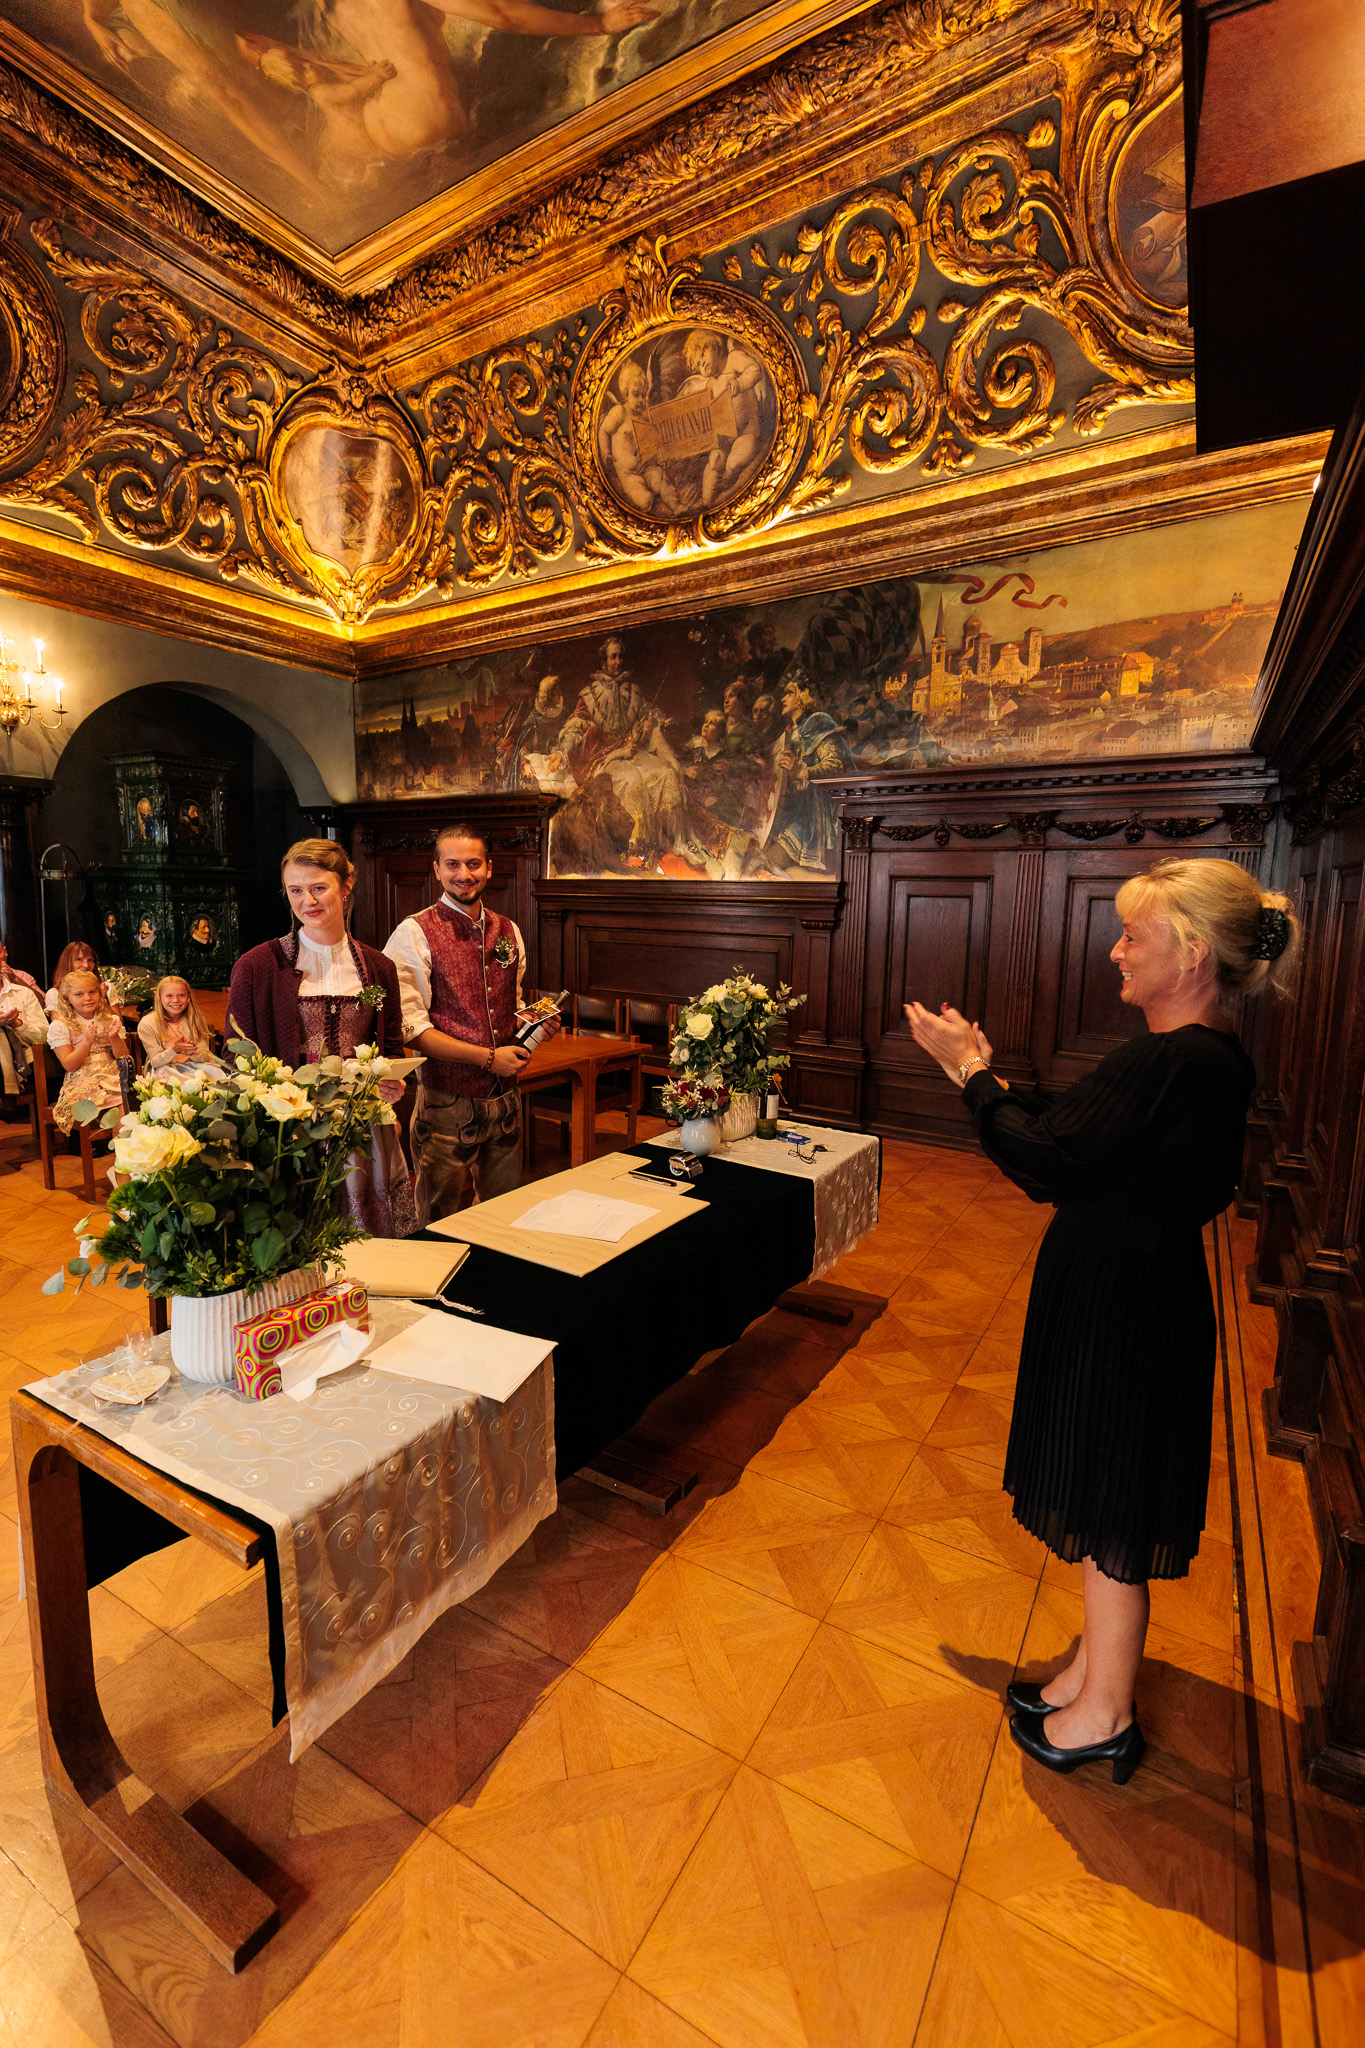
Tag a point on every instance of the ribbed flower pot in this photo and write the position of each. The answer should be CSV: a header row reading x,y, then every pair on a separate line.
x,y
202,1325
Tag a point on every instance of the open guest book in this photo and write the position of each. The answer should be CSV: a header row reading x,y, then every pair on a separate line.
x,y
574,1221
402,1266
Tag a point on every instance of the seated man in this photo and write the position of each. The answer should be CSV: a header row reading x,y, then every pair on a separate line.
x,y
22,1023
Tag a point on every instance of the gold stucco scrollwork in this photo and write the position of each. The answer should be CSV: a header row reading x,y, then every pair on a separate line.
x,y
32,353
165,449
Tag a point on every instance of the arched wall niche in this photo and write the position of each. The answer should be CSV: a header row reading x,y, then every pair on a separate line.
x,y
303,716
263,814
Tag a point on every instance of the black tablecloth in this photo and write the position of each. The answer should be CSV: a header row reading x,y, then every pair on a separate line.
x,y
626,1332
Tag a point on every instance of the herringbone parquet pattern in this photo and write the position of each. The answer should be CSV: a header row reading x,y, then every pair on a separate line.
x,y
737,1778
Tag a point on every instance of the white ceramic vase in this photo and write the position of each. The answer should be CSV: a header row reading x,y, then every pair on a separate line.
x,y
202,1325
700,1136
740,1119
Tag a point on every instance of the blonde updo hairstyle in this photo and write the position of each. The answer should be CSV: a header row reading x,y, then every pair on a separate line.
x,y
1217,903
323,853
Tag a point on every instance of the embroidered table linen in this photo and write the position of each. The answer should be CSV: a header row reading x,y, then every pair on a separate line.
x,y
843,1180
390,1501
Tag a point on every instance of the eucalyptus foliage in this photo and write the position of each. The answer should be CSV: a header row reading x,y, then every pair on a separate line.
x,y
230,1181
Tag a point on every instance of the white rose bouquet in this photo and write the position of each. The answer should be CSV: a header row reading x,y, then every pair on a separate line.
x,y
723,1035
227,1182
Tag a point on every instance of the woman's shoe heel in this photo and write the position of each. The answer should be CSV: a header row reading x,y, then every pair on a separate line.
x,y
1128,1759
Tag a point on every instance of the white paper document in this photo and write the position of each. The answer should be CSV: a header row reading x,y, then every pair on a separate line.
x,y
580,1214
447,1351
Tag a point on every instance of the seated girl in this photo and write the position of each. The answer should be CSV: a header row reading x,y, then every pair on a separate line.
x,y
174,1035
76,955
88,1039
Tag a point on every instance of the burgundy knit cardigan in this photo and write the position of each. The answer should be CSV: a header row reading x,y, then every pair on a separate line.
x,y
264,997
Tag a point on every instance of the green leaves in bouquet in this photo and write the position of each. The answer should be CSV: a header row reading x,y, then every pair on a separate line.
x,y
231,1183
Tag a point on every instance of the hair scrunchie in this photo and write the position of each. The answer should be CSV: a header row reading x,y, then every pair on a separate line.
x,y
1272,934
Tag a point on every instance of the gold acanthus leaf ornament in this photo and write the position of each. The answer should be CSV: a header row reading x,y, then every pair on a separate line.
x,y
166,450
32,355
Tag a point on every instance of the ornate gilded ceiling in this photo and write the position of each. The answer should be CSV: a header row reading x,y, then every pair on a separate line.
x,y
916,284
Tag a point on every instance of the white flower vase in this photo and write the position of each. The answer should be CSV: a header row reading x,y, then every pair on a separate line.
x,y
699,1136
740,1119
202,1325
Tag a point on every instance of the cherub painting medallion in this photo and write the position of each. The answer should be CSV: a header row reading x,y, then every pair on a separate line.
x,y
685,421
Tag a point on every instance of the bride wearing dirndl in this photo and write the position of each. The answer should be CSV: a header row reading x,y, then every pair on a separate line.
x,y
319,991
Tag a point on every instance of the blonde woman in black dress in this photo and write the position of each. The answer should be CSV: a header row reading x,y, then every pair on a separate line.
x,y
1108,1458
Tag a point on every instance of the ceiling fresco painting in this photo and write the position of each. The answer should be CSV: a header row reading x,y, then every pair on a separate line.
x,y
341,116
691,748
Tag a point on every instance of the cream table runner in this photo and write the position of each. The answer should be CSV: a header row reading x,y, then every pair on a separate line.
x,y
843,1178
390,1500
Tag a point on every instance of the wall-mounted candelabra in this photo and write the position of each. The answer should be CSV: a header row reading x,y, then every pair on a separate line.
x,y
18,704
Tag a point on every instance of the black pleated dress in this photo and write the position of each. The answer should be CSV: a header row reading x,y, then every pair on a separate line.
x,y
1109,1445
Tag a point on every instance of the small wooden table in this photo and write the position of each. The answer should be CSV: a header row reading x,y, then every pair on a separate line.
x,y
581,1058
83,1765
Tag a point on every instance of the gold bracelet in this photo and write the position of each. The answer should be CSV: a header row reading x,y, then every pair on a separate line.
x,y
975,1061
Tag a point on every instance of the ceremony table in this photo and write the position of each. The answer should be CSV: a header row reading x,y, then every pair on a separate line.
x,y
88,1506
580,1057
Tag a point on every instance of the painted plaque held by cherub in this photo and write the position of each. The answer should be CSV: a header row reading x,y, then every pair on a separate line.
x,y
685,423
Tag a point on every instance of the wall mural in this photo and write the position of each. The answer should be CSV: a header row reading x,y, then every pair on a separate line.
x,y
342,115
691,748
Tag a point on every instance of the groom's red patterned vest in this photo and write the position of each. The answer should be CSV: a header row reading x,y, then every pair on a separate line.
x,y
473,994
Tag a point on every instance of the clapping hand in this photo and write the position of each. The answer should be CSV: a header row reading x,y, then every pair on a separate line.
x,y
947,1037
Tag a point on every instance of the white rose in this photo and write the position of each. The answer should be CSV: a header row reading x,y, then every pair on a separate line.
x,y
148,1148
714,993
285,1101
699,1025
158,1108
87,1246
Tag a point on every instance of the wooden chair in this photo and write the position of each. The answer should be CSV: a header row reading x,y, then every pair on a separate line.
x,y
13,1135
48,1076
597,1016
655,1021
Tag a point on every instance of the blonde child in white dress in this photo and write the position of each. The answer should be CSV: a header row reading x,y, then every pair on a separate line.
x,y
87,1037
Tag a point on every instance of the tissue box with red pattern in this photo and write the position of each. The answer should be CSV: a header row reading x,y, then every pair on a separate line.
x,y
260,1343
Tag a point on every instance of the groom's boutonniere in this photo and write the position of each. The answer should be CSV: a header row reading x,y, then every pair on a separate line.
x,y
505,952
373,994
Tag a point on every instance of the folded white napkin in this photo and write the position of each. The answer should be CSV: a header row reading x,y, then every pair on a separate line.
x,y
330,1351
579,1213
473,1358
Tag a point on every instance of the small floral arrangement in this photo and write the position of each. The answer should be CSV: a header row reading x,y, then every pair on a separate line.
x,y
504,952
689,1096
723,1035
130,985
373,994
230,1181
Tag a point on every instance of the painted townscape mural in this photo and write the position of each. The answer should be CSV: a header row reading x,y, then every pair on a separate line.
x,y
693,747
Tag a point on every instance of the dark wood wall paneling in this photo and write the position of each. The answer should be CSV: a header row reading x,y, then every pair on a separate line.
x,y
995,892
1309,1173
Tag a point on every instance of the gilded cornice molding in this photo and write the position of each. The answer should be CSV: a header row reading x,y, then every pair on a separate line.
x,y
130,184
877,61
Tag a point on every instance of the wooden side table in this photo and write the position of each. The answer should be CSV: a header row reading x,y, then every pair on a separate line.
x,y
83,1765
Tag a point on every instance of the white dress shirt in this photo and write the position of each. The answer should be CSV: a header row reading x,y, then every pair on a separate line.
x,y
28,1029
411,955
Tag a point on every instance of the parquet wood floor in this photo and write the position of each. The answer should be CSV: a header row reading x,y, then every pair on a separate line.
x,y
734,1778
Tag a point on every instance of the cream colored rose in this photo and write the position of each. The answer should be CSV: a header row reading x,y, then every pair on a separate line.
x,y
158,1108
699,1025
150,1148
285,1101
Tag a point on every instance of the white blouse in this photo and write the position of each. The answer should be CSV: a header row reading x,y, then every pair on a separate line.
x,y
327,970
